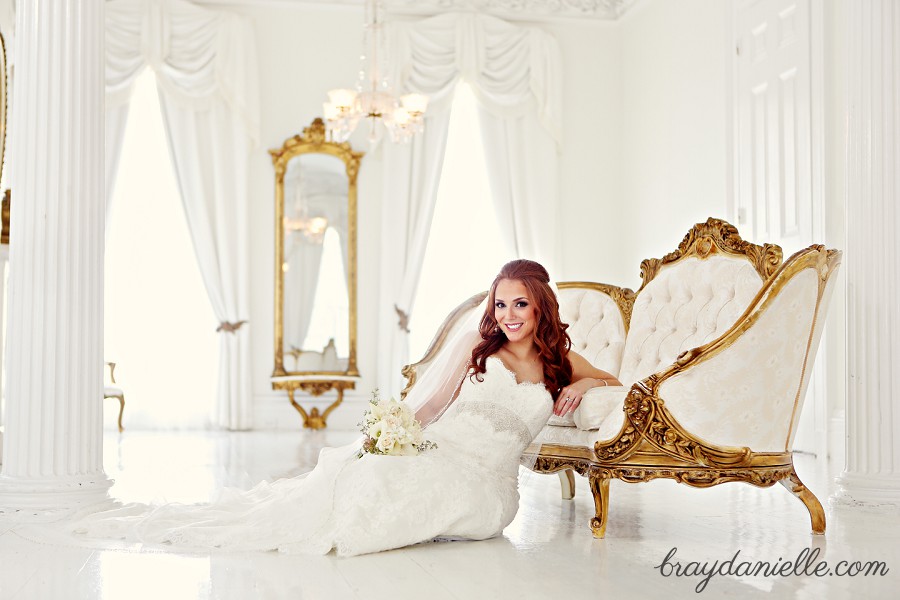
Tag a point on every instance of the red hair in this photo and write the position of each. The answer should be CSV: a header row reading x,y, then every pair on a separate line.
x,y
550,335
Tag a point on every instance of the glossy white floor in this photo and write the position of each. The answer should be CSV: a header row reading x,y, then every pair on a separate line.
x,y
547,552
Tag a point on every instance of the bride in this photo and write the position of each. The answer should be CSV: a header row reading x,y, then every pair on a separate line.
x,y
483,401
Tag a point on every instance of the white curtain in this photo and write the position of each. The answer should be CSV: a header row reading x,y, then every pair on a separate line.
x,y
515,72
522,161
205,66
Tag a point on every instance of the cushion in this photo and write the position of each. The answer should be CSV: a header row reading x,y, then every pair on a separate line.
x,y
566,436
595,326
611,425
567,420
597,404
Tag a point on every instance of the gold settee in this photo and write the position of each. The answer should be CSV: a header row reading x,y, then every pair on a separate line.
x,y
715,350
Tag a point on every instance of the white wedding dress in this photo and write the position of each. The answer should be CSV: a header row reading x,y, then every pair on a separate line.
x,y
466,488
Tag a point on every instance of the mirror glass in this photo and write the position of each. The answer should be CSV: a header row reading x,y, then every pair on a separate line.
x,y
315,247
317,307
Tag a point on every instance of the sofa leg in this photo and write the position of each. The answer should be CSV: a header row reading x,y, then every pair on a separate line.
x,y
567,482
600,490
816,514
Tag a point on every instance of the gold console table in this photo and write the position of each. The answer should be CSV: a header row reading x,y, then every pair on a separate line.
x,y
314,386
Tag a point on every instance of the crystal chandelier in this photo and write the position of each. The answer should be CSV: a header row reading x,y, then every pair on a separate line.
x,y
373,99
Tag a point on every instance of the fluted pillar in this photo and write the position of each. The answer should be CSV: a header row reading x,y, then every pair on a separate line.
x,y
872,472
52,449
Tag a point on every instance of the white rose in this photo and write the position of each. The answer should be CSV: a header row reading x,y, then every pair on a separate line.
x,y
386,443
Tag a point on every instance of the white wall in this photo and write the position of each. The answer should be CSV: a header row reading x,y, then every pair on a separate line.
x,y
675,152
590,161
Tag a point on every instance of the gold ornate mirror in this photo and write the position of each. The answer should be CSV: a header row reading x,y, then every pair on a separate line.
x,y
315,269
2,102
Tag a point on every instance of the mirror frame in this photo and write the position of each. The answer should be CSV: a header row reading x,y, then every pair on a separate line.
x,y
3,103
4,205
313,141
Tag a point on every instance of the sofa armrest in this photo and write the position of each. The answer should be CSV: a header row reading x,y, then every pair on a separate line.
x,y
598,403
746,388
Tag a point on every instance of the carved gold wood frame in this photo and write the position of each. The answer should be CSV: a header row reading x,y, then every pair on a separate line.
x,y
314,387
715,236
313,141
3,103
652,444
4,211
623,297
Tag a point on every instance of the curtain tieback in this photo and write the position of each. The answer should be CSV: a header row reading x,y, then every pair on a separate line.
x,y
229,327
403,321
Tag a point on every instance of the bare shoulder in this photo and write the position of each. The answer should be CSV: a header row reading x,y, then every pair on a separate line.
x,y
578,360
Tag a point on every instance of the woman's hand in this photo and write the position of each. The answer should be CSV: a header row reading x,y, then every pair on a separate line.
x,y
571,395
586,376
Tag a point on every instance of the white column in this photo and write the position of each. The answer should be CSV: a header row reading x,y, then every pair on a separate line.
x,y
872,472
52,449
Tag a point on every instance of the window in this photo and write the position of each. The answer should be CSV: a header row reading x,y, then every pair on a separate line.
x,y
465,250
159,325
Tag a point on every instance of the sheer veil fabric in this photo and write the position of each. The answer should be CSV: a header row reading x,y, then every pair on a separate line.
x,y
436,389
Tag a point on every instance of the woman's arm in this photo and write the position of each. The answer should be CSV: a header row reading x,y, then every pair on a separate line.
x,y
584,377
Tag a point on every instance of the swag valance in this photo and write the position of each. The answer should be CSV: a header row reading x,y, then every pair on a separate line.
x,y
511,68
198,55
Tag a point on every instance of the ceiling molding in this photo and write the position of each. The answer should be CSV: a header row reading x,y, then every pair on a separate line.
x,y
515,10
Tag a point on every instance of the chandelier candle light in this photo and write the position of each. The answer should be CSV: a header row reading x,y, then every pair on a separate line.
x,y
373,98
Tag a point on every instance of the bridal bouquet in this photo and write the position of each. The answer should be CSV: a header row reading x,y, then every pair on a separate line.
x,y
391,428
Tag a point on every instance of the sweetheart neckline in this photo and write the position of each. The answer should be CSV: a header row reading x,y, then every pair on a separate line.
x,y
512,374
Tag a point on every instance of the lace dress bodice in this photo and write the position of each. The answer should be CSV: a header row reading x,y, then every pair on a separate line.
x,y
464,488
493,420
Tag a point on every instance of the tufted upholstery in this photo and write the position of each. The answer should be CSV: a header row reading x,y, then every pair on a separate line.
x,y
687,304
597,330
596,326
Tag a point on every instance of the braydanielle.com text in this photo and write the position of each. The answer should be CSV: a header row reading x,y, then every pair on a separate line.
x,y
807,563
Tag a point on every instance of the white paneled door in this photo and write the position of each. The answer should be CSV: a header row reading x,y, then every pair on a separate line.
x,y
774,153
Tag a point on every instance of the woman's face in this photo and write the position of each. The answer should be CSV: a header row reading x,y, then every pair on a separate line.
x,y
514,310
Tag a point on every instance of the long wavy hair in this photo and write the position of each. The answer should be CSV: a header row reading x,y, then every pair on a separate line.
x,y
550,335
